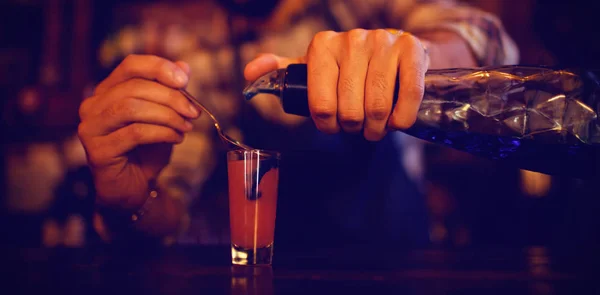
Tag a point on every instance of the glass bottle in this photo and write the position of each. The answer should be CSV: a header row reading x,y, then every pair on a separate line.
x,y
537,118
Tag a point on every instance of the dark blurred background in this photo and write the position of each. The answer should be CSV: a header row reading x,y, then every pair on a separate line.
x,y
53,52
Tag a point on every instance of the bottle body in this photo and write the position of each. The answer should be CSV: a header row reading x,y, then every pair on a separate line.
x,y
539,118
536,118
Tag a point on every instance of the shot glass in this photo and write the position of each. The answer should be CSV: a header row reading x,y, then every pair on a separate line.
x,y
253,177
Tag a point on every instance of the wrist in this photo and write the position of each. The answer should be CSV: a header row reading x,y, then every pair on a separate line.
x,y
127,208
159,218
447,49
123,195
161,215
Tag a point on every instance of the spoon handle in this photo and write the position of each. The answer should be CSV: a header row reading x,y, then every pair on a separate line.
x,y
223,136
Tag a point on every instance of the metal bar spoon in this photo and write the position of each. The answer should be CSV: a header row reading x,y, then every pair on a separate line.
x,y
222,134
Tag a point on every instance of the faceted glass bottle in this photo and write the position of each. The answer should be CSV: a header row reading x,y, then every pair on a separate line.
x,y
538,118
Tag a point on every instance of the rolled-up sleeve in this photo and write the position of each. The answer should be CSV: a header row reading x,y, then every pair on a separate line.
x,y
483,31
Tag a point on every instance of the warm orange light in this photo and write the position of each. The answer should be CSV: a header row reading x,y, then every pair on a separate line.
x,y
535,184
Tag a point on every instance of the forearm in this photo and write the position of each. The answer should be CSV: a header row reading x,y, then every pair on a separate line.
x,y
447,49
461,35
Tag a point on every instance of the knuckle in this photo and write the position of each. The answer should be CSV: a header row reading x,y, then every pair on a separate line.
x,y
414,41
377,109
320,40
323,112
82,131
324,36
410,43
84,109
381,36
356,37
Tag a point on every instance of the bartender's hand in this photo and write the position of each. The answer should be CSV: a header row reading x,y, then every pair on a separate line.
x,y
130,124
351,80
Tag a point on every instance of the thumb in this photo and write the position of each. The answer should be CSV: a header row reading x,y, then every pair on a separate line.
x,y
184,66
265,63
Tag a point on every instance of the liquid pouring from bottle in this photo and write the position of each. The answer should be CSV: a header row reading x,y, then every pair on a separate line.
x,y
536,118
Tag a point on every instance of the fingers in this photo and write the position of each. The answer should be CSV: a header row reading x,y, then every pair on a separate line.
x,y
134,110
136,101
265,63
322,81
412,68
102,150
147,67
140,89
351,83
380,82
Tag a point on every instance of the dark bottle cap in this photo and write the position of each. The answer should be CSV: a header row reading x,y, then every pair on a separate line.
x,y
294,96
